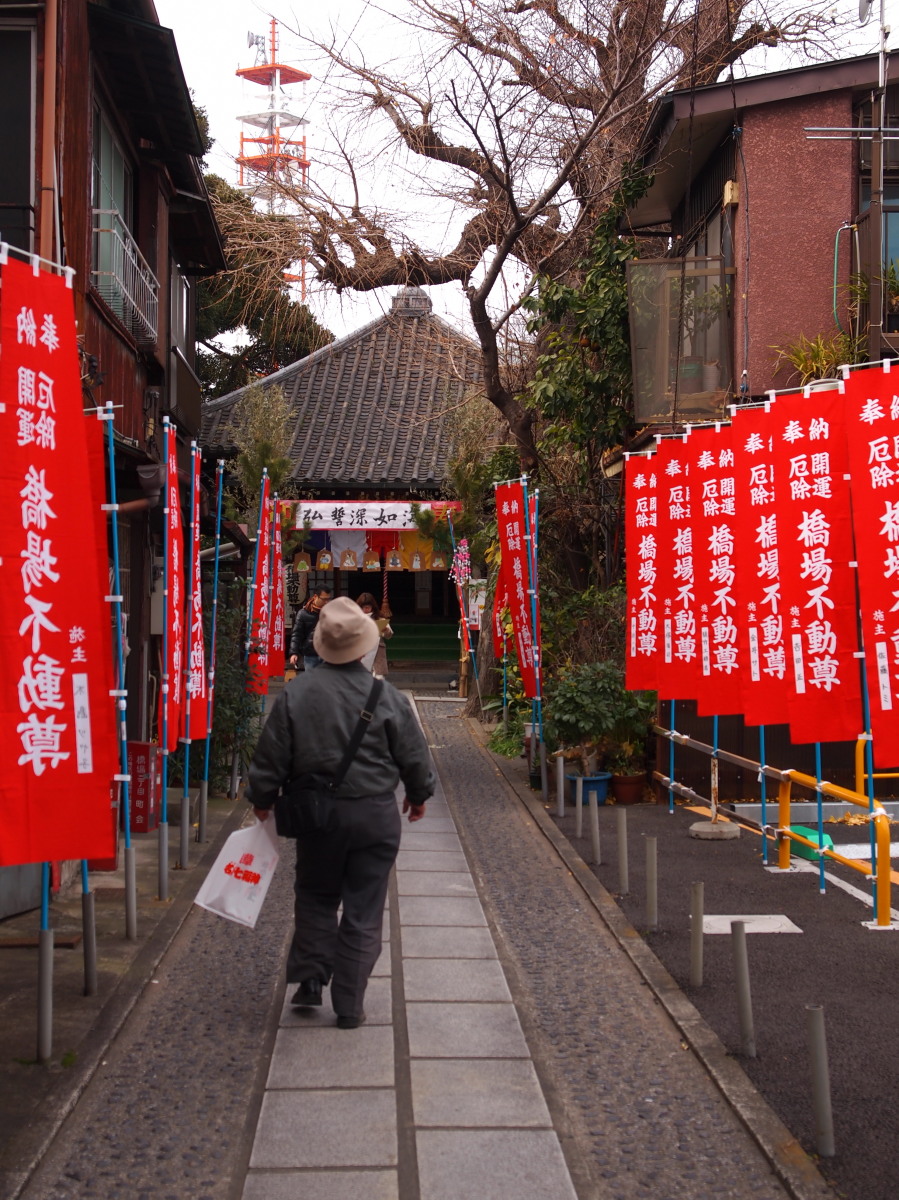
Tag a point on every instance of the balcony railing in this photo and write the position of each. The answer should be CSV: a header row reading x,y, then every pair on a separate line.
x,y
123,278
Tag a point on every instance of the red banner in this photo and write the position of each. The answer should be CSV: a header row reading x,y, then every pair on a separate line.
x,y
872,427
714,509
815,551
512,529
641,539
57,719
677,663
766,678
173,602
195,696
276,641
260,629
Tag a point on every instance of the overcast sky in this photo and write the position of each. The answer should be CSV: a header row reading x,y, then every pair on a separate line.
x,y
212,43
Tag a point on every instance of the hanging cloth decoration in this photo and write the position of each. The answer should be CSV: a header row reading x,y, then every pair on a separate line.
x,y
417,550
348,547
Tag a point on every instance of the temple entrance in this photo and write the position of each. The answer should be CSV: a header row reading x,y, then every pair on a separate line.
x,y
411,594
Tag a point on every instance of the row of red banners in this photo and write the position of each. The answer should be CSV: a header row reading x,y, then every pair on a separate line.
x,y
752,549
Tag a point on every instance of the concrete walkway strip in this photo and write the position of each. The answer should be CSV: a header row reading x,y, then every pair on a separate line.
x,y
333,1104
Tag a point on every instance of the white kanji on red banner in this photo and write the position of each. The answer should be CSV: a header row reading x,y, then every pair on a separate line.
x,y
815,551
641,524
57,719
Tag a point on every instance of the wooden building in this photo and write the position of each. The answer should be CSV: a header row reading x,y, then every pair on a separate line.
x,y
101,172
372,421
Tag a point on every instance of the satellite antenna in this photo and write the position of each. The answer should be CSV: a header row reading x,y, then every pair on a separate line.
x,y
864,11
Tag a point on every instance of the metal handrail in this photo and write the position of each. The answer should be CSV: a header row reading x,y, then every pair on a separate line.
x,y
783,832
122,276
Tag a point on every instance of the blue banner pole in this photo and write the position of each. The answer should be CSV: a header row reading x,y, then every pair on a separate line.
x,y
187,692
251,606
45,973
763,787
121,693
671,760
210,661
163,852
532,542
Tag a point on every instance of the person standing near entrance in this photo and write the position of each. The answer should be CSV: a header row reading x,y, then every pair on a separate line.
x,y
304,627
376,660
309,729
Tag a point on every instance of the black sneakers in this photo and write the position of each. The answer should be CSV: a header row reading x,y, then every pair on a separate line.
x,y
350,1022
308,994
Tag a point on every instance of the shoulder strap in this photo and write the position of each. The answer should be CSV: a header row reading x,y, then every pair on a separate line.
x,y
362,724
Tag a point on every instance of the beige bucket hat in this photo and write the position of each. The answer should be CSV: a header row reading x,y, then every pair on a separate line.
x,y
344,632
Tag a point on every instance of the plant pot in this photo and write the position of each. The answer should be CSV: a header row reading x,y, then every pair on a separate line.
x,y
598,783
628,789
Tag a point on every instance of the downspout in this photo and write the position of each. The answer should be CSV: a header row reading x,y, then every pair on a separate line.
x,y
48,131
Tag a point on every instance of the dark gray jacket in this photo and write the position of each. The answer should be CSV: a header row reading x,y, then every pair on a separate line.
x,y
301,634
311,723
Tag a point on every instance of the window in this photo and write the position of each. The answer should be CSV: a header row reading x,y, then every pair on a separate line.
x,y
17,144
119,271
179,318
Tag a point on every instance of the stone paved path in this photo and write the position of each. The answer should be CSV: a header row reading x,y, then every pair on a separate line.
x,y
511,1049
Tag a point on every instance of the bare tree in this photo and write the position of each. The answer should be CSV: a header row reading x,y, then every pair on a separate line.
x,y
513,120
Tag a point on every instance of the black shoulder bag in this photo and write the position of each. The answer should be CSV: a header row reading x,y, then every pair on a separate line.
x,y
306,807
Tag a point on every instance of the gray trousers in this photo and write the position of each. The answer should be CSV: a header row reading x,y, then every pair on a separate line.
x,y
350,867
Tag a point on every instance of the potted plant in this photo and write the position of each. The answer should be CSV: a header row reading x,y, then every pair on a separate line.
x,y
597,720
627,763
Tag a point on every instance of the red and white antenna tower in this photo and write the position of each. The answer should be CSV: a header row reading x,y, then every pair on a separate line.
x,y
272,162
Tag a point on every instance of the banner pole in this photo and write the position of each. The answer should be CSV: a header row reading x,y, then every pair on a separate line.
x,y
764,795
532,540
671,759
271,592
45,973
184,852
162,885
869,768
89,929
251,607
121,693
210,674
822,886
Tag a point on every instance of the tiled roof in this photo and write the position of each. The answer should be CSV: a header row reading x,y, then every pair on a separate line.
x,y
371,409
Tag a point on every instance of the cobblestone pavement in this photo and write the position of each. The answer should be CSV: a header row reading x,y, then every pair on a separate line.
x,y
643,1117
165,1116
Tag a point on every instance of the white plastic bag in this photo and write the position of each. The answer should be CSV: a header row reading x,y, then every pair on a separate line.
x,y
240,876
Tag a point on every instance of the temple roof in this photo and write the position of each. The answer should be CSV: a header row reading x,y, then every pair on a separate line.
x,y
371,410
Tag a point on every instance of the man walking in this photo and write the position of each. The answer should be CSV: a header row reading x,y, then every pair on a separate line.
x,y
307,732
